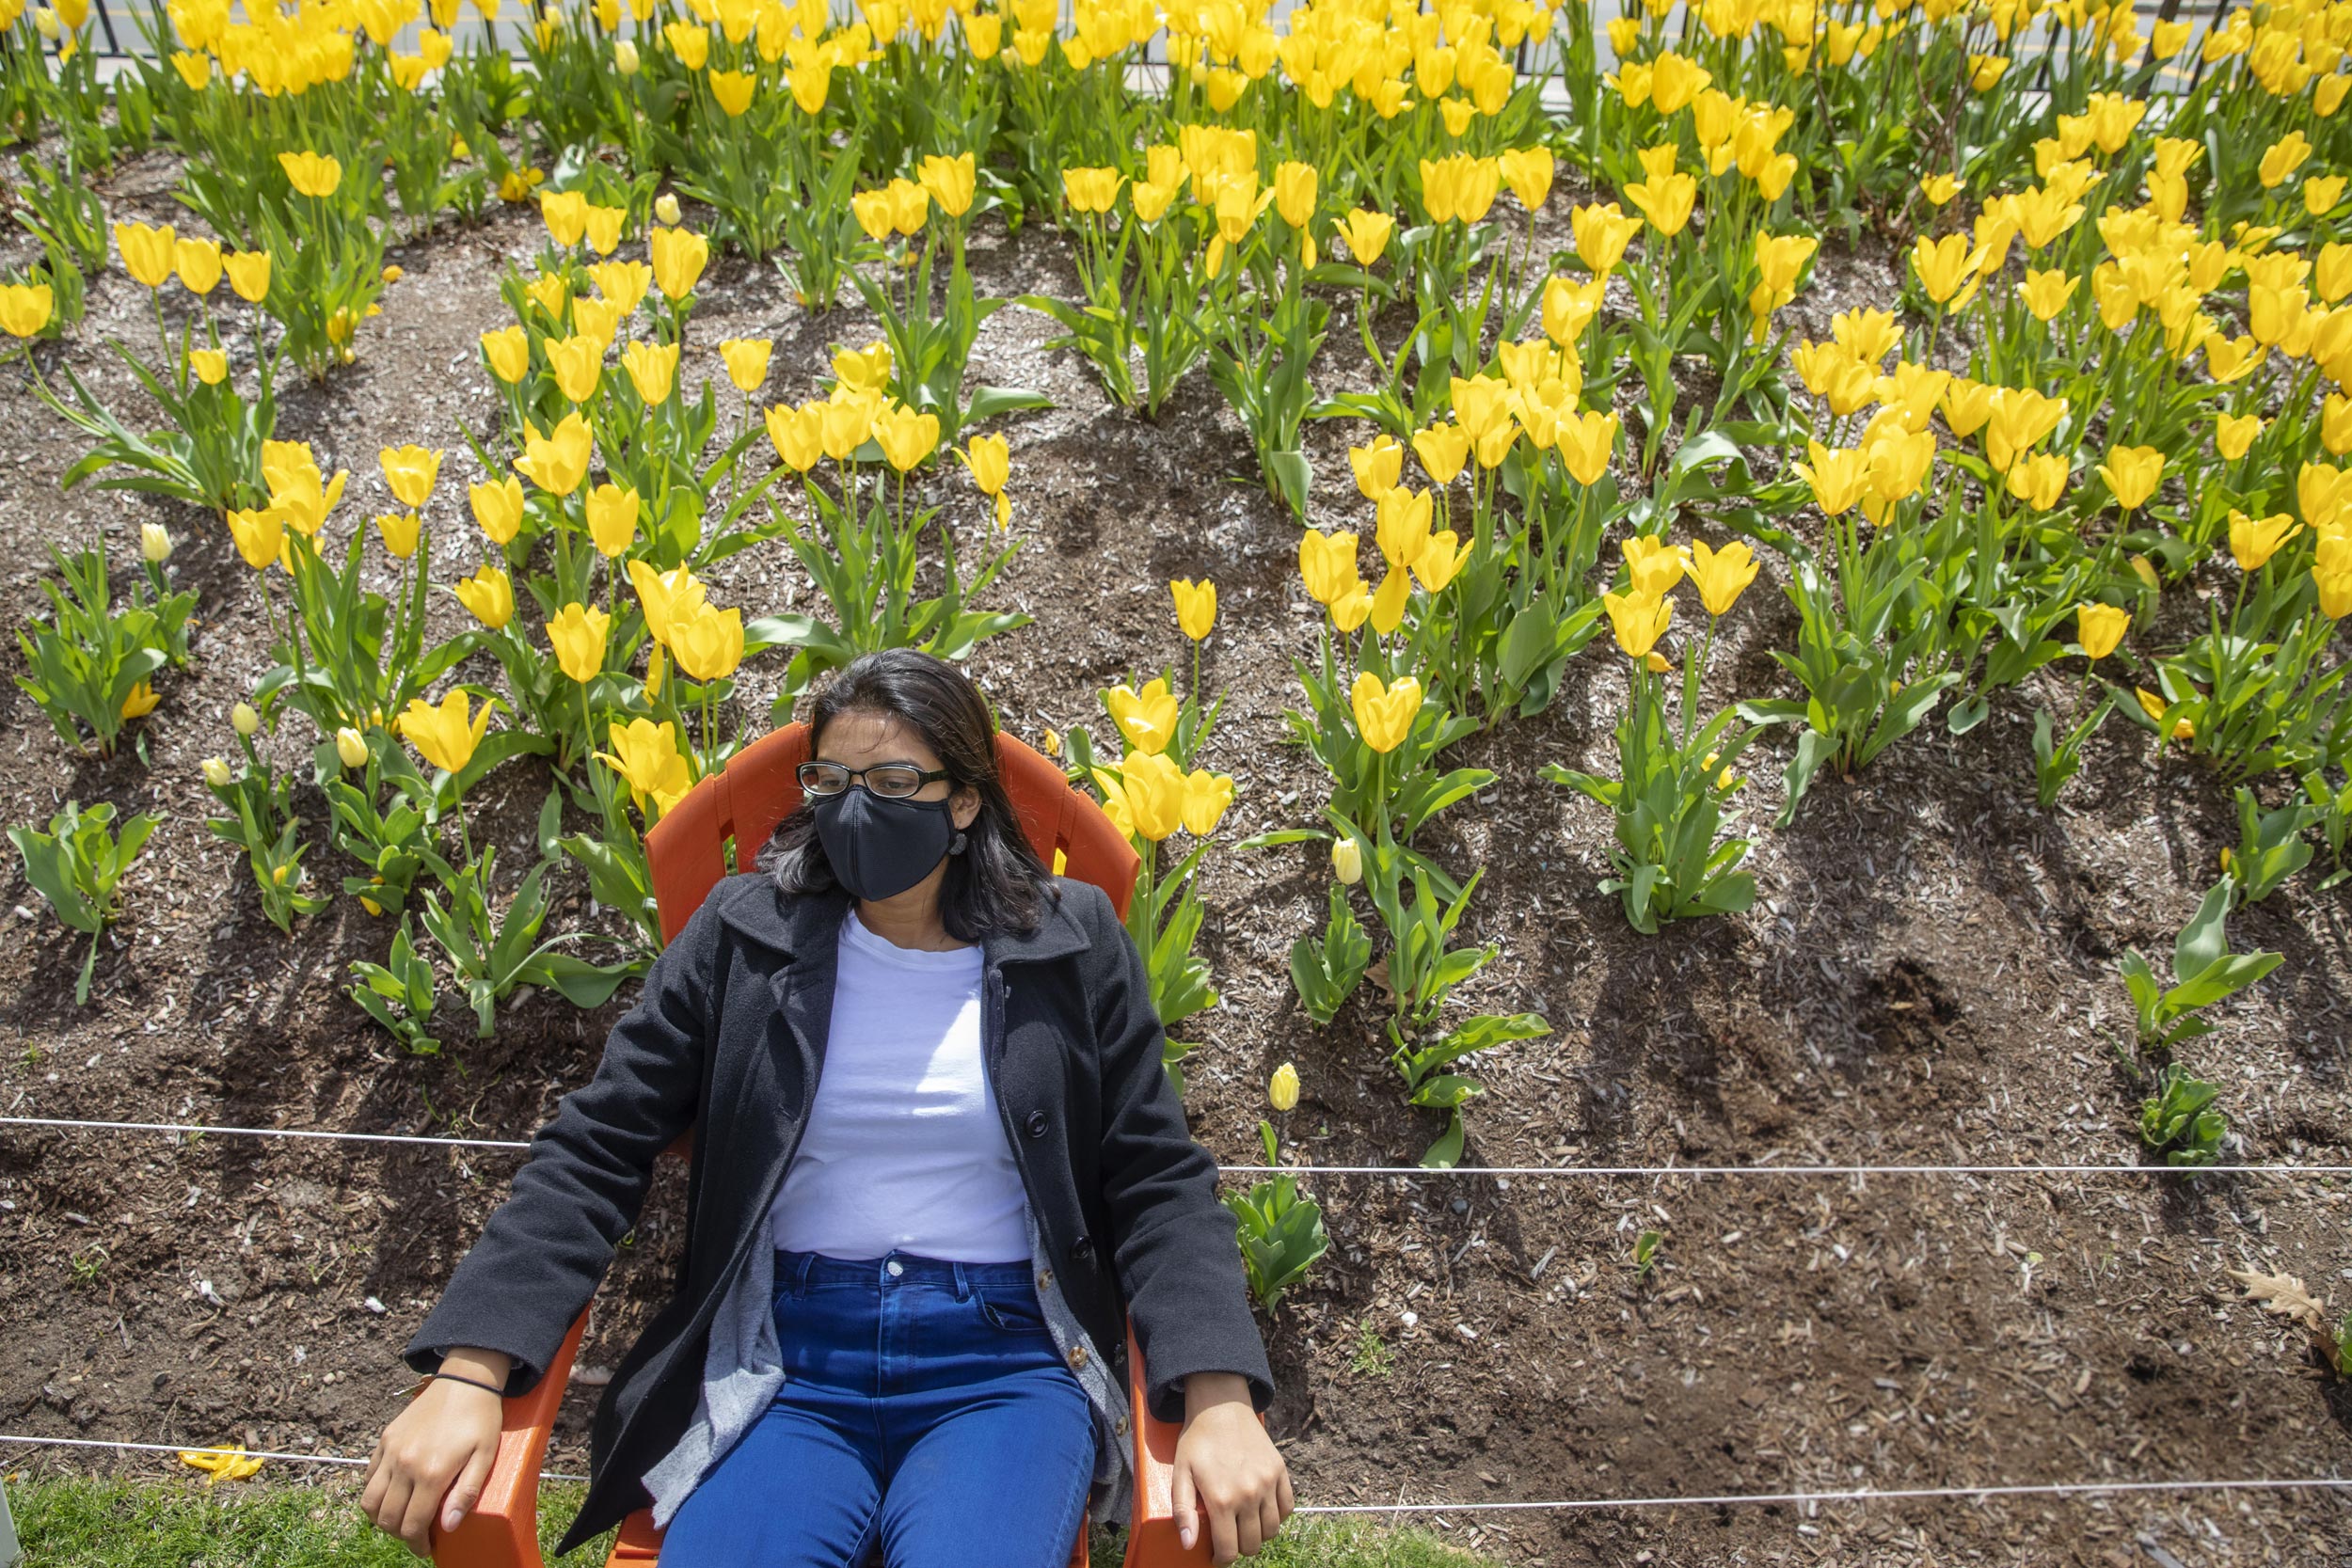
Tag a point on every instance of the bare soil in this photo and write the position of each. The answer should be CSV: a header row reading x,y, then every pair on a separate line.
x,y
1927,978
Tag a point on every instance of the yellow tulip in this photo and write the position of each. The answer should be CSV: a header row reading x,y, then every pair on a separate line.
x,y
2099,627
2046,293
666,597
508,351
1440,559
797,434
1653,566
646,757
2233,436
1837,475
557,460
259,535
148,255
1091,190
1145,717
624,284
1570,307
1377,466
951,181
351,747
198,263
1347,860
866,369
565,213
576,633
679,255
498,507
2282,158
652,371
410,472
209,364
1281,1090
1528,171
733,90
2039,480
1942,265
488,595
2131,474
613,514
1638,620
1939,188
446,735
1148,791
298,493
1602,231
2254,540
1294,193
1666,203
2331,572
989,460
579,365
1384,713
1326,563
1367,234
1722,575
1195,606
25,307
1204,801
140,701
746,359
1585,443
905,436
312,174
400,531
709,644
1442,449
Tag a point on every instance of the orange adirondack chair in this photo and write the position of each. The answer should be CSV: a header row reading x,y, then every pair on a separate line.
x,y
687,850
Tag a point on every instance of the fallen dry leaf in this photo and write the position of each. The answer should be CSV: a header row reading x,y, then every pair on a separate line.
x,y
2283,1294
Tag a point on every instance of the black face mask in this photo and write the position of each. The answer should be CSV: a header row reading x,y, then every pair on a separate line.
x,y
879,847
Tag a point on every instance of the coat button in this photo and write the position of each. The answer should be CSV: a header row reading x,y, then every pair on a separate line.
x,y
1077,1356
1044,1279
1083,1248
1037,1124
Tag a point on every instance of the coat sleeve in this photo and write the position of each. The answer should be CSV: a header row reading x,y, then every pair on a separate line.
x,y
545,1249
1174,1243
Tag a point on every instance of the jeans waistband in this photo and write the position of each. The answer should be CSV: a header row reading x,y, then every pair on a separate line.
x,y
895,1269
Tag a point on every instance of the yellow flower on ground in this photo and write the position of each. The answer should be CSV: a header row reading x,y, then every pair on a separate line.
x,y
646,757
1384,713
1722,575
229,1464
613,514
2254,540
2098,627
709,644
1146,717
746,359
576,633
1638,620
140,701
1195,606
446,735
2131,474
498,507
1281,1090
488,595
312,174
410,472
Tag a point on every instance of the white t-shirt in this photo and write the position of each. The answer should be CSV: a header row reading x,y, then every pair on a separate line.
x,y
904,1150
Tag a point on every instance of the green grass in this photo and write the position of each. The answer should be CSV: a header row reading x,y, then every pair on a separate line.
x,y
173,1523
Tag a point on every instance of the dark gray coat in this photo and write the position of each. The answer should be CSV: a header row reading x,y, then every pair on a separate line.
x,y
726,1042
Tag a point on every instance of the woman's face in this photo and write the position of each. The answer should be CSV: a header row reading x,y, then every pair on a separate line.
x,y
864,738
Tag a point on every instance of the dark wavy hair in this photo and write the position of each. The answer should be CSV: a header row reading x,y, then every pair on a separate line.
x,y
996,883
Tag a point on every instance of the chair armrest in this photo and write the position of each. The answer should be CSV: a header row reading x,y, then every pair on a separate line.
x,y
1152,1540
502,1531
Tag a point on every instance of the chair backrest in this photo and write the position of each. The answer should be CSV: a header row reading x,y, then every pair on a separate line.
x,y
760,786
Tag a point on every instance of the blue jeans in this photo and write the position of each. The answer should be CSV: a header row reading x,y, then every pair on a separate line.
x,y
924,1408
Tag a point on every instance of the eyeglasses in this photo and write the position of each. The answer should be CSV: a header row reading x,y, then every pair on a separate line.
x,y
892,781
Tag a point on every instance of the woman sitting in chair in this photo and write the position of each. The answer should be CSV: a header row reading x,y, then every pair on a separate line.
x,y
935,1161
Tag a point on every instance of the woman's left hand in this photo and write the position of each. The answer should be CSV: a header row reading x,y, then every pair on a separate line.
x,y
1230,1478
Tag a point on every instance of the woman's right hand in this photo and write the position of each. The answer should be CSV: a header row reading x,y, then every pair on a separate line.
x,y
429,1466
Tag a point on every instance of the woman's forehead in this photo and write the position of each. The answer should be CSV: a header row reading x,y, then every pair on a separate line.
x,y
862,736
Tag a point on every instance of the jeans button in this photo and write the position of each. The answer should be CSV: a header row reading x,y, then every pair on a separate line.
x,y
895,1268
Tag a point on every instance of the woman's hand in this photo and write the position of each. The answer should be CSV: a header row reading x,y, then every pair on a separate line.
x,y
1229,1474
434,1457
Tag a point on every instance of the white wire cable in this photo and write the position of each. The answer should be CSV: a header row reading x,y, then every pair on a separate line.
x,y
2111,1169
1859,1495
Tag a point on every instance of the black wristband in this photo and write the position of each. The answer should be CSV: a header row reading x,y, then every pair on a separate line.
x,y
473,1382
